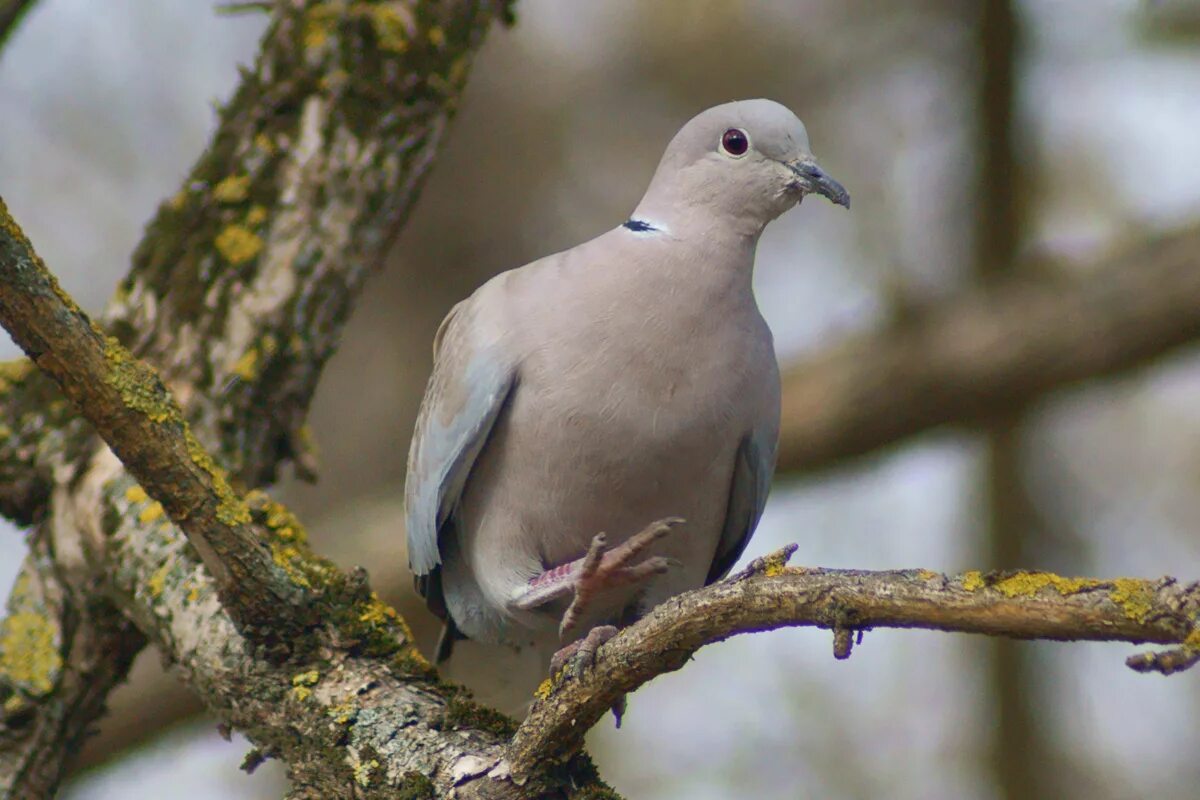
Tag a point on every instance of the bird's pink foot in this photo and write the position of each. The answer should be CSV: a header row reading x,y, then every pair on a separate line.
x,y
581,653
603,569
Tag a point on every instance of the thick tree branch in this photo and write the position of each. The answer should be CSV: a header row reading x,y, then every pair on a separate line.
x,y
981,354
136,416
244,279
353,661
1024,605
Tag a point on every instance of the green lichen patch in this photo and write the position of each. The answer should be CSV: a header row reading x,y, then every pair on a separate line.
x,y
139,385
231,510
415,786
365,623
463,712
320,20
362,768
581,771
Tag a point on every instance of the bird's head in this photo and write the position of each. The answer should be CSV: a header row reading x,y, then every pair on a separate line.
x,y
748,161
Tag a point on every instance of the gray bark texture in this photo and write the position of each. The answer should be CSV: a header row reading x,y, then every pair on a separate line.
x,y
136,448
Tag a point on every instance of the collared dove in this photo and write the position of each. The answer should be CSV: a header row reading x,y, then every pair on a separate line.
x,y
582,407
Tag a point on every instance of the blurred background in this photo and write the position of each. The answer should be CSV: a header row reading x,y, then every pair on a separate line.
x,y
977,139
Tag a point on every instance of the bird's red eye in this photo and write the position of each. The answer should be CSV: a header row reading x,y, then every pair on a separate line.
x,y
735,142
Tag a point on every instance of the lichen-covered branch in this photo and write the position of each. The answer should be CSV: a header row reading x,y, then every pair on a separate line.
x,y
61,652
1024,605
245,277
132,411
37,427
975,356
242,283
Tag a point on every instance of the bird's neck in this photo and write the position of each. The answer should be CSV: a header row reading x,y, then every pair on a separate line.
x,y
693,255
697,216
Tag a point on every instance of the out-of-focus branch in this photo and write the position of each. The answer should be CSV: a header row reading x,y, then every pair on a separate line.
x,y
11,12
132,411
768,595
980,354
61,652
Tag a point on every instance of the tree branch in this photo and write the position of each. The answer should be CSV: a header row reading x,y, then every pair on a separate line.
x,y
1023,605
62,650
354,660
241,286
980,354
11,13
136,416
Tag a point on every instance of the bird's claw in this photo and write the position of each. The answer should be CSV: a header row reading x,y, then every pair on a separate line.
x,y
603,569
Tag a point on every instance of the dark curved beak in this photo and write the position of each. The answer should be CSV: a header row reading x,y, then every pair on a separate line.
x,y
814,179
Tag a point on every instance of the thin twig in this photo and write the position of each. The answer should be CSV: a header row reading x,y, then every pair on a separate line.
x,y
1022,605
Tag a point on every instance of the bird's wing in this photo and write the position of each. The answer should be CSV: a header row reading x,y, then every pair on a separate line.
x,y
472,378
752,470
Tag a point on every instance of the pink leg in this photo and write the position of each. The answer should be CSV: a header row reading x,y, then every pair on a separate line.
x,y
600,570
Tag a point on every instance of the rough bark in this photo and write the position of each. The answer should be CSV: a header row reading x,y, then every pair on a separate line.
x,y
129,407
768,595
238,293
981,354
237,296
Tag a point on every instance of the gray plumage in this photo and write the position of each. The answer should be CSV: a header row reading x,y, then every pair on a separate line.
x,y
620,382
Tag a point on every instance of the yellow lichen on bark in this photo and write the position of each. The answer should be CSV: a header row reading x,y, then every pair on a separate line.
x,y
1134,597
256,216
973,581
303,682
774,564
1025,584
233,189
150,513
230,508
237,244
14,372
158,581
29,644
393,24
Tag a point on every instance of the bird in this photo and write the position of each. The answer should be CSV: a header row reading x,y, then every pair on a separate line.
x,y
600,427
